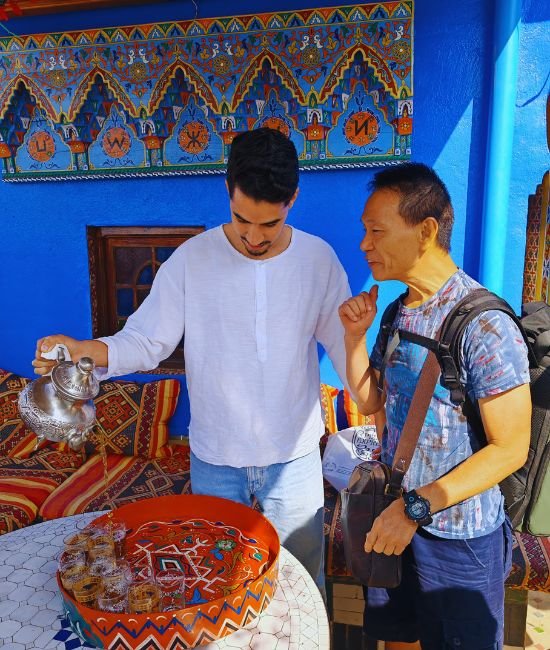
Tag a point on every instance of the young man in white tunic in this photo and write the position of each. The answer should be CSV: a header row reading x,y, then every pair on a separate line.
x,y
253,298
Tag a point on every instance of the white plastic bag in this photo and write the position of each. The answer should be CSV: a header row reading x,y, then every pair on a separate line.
x,y
347,448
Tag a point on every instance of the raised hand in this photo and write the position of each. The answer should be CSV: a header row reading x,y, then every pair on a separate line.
x,y
357,313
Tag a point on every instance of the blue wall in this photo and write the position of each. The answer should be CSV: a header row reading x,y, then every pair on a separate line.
x,y
44,282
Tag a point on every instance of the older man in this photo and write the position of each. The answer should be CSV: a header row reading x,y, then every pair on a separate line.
x,y
456,540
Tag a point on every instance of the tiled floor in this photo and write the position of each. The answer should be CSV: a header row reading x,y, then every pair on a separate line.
x,y
537,635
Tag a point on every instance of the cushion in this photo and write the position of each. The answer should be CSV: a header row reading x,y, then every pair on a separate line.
x,y
530,563
16,440
347,412
328,405
339,409
129,479
132,418
37,477
16,511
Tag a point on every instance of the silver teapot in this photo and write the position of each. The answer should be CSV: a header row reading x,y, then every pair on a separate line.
x,y
60,407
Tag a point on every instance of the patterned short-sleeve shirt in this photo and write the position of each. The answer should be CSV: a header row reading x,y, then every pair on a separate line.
x,y
493,360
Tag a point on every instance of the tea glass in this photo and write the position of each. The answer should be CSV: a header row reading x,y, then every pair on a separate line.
x,y
76,542
101,544
109,602
103,565
126,568
116,580
86,590
117,530
143,597
172,586
68,558
72,573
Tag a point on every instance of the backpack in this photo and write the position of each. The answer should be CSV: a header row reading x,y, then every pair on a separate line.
x,y
527,490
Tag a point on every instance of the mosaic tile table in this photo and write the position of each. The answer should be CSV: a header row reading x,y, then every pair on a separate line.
x,y
31,610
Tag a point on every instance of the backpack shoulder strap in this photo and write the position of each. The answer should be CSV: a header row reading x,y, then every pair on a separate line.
x,y
453,328
387,346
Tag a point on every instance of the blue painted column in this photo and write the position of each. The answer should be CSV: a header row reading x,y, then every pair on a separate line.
x,y
499,144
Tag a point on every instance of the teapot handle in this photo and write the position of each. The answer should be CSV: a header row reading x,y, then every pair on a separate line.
x,y
58,353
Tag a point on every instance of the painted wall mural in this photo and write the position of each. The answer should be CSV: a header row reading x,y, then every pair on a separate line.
x,y
169,98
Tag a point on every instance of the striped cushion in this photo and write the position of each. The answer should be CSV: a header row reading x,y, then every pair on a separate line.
x,y
340,411
37,477
347,412
16,511
328,405
129,479
132,418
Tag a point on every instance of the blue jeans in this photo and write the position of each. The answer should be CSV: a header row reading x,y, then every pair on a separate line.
x,y
451,594
290,495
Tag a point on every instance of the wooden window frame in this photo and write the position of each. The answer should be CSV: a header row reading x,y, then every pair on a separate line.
x,y
102,242
37,7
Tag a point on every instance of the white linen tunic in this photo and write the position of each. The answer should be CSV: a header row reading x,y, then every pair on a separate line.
x,y
251,331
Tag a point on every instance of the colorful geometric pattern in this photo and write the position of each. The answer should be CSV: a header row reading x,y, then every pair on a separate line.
x,y
132,418
169,98
530,563
215,558
536,275
129,480
231,565
26,482
15,439
16,511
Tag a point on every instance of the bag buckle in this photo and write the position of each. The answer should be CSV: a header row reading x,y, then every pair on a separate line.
x,y
393,491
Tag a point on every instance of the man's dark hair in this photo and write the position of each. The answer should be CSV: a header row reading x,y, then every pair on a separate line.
x,y
263,163
423,194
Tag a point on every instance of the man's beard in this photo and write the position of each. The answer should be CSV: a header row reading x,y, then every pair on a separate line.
x,y
257,253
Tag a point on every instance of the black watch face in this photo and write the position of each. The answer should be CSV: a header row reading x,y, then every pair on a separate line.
x,y
418,510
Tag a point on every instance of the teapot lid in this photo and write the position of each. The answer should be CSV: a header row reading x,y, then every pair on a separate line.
x,y
76,381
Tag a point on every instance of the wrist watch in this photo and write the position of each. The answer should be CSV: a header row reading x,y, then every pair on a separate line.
x,y
417,508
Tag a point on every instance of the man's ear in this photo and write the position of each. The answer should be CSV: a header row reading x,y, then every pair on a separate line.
x,y
293,199
429,230
227,187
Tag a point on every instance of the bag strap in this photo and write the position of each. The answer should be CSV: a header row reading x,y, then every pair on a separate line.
x,y
413,424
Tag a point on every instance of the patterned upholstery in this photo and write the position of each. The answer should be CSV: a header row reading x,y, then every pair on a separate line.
x,y
16,440
530,563
129,478
35,478
16,511
26,482
339,409
134,417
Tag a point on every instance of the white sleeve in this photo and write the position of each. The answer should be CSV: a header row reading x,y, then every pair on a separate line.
x,y
329,331
153,331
